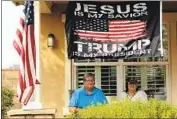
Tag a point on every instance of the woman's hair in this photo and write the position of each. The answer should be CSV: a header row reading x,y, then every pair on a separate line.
x,y
88,75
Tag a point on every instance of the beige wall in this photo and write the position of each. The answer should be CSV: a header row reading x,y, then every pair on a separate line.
x,y
9,80
173,61
171,20
52,63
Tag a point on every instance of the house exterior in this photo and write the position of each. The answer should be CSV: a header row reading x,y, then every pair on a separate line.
x,y
59,75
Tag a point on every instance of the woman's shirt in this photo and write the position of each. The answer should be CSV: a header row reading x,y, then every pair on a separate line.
x,y
139,95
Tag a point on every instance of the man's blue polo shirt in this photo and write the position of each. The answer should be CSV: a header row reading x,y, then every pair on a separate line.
x,y
81,99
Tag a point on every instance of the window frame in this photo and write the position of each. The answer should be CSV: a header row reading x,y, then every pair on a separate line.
x,y
120,71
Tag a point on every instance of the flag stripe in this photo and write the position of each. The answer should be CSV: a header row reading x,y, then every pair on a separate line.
x,y
17,47
33,46
127,28
32,53
126,25
19,35
123,21
22,23
17,39
29,95
30,80
108,36
115,40
28,59
111,33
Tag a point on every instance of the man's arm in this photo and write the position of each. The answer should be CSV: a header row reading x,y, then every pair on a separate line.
x,y
73,103
102,95
73,109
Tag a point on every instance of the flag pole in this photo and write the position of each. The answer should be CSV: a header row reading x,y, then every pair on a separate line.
x,y
161,38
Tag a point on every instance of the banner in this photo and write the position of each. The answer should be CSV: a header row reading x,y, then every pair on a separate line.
x,y
113,29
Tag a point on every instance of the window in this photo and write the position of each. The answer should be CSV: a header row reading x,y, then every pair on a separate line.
x,y
109,80
105,77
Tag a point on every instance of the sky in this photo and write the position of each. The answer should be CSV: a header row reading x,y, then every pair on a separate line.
x,y
10,21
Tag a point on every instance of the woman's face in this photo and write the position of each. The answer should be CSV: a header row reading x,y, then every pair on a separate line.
x,y
132,87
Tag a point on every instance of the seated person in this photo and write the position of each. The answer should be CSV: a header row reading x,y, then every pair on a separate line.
x,y
86,95
132,93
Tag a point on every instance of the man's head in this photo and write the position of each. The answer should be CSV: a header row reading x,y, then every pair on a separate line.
x,y
132,85
89,81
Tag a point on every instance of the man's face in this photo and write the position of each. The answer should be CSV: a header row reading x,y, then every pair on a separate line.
x,y
89,82
132,86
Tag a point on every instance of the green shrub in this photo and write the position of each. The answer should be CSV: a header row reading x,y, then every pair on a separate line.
x,y
7,101
127,109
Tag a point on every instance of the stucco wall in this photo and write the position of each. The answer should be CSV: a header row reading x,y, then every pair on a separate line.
x,y
173,60
52,63
170,19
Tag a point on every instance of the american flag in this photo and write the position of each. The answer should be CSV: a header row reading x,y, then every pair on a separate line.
x,y
24,44
110,30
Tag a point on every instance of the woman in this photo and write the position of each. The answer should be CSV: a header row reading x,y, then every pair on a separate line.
x,y
132,93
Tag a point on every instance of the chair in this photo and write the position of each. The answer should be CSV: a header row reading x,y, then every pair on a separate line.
x,y
150,93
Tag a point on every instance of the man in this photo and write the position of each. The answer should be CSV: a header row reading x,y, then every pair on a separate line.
x,y
86,95
132,93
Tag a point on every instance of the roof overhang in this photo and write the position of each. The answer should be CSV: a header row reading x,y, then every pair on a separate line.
x,y
46,7
167,6
60,6
17,2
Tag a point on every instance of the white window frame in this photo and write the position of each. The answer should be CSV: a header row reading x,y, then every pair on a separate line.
x,y
120,71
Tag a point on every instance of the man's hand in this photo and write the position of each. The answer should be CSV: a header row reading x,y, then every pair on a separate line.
x,y
73,109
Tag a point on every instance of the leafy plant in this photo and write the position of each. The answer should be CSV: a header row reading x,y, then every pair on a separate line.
x,y
7,101
127,109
